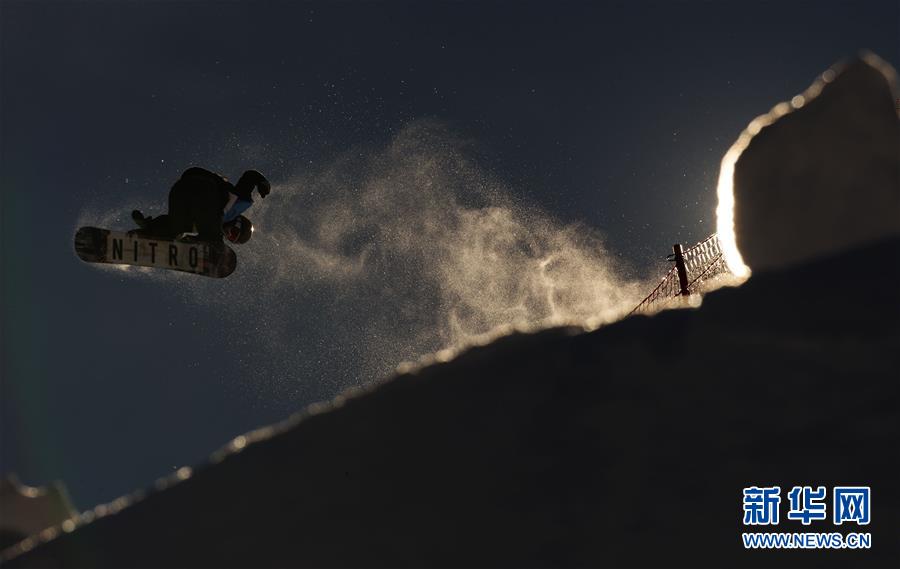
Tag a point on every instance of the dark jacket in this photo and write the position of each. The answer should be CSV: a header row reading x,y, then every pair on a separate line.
x,y
242,189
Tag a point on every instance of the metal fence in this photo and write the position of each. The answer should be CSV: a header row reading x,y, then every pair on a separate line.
x,y
691,268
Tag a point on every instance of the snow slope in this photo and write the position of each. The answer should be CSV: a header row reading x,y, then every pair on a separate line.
x,y
626,446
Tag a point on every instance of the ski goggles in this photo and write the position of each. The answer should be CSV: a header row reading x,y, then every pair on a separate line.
x,y
233,231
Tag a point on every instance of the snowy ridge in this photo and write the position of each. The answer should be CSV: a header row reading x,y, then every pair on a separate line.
x,y
575,445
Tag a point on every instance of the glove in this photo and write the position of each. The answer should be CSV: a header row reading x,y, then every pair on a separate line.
x,y
249,180
263,186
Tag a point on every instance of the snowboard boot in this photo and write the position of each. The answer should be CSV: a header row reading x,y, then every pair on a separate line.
x,y
140,219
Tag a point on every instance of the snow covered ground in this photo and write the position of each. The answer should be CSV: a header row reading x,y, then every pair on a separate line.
x,y
626,446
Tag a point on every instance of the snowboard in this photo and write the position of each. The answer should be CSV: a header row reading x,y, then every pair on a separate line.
x,y
95,245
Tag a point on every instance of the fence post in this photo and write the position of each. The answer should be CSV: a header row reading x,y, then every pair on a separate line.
x,y
682,271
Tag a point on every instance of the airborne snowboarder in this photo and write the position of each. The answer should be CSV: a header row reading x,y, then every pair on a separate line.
x,y
207,203
200,202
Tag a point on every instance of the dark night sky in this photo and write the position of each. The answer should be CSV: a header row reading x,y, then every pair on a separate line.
x,y
614,115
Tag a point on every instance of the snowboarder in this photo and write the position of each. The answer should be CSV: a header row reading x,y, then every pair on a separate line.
x,y
209,204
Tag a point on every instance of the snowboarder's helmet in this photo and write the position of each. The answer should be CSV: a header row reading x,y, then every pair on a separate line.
x,y
239,230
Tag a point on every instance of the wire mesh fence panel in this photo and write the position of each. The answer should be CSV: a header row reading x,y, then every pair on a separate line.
x,y
702,262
